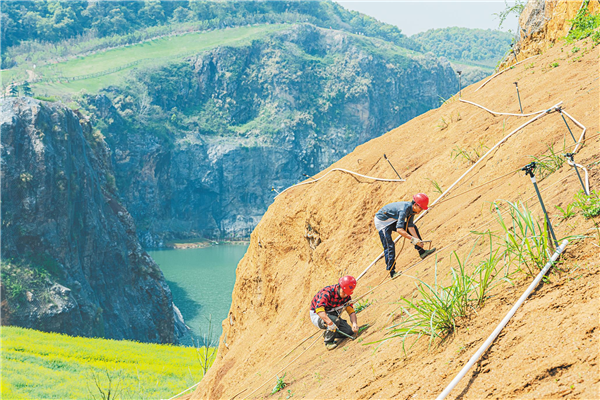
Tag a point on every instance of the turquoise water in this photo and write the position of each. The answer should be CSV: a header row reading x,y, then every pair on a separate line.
x,y
201,281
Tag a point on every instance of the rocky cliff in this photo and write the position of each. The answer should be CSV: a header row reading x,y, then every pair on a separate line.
x,y
544,22
71,261
198,146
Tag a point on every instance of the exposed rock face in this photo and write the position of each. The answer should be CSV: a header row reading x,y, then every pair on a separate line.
x,y
241,120
71,259
543,22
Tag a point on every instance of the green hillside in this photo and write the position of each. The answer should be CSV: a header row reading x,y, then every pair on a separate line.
x,y
39,365
42,30
101,69
475,47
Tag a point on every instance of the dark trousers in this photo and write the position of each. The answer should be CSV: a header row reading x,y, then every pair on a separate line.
x,y
342,325
389,248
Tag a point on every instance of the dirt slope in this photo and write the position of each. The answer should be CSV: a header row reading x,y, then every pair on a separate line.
x,y
548,350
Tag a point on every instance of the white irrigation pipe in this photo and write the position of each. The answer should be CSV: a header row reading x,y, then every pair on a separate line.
x,y
504,70
191,387
343,170
587,181
579,142
579,125
499,113
503,323
463,175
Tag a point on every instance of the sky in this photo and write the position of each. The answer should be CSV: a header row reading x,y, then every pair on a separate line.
x,y
418,16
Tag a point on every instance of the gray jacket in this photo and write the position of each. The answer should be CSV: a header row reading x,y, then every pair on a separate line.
x,y
401,211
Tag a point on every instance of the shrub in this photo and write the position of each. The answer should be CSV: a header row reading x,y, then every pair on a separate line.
x,y
584,26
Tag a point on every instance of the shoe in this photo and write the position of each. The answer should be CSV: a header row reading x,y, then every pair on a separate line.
x,y
427,252
392,273
396,274
331,345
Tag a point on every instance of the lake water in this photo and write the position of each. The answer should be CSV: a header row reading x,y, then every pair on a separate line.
x,y
201,281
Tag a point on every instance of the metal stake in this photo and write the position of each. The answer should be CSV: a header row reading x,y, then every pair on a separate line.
x,y
384,156
529,171
459,84
337,329
517,85
345,334
513,50
308,176
570,157
559,109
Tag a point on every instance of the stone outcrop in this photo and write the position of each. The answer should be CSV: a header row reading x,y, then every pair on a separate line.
x,y
236,122
71,259
543,22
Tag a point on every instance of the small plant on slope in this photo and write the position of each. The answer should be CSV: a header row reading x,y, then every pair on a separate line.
x,y
206,347
280,384
524,239
548,163
567,212
486,276
436,186
436,312
588,205
361,305
471,155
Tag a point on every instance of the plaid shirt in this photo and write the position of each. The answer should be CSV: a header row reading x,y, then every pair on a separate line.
x,y
329,298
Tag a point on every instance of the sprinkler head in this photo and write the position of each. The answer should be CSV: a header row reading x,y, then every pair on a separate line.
x,y
569,156
516,84
459,72
529,169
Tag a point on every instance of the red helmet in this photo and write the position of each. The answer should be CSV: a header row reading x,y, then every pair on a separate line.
x,y
422,200
347,283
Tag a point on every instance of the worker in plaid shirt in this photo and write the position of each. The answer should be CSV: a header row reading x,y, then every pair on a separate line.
x,y
326,307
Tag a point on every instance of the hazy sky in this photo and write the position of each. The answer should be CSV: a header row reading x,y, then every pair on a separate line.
x,y
418,16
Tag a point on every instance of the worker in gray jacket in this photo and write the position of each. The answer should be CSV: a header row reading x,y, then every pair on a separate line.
x,y
399,217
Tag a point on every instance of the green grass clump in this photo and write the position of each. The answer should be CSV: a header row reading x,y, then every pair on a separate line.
x,y
585,25
279,384
437,308
567,212
471,155
361,305
525,242
435,311
39,365
436,186
548,163
589,206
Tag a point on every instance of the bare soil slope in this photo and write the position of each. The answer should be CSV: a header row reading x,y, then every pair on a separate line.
x,y
315,233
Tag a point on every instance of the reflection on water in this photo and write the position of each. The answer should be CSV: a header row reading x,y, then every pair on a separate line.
x,y
201,281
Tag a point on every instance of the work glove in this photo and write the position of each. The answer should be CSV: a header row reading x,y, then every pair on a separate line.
x,y
415,240
332,327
